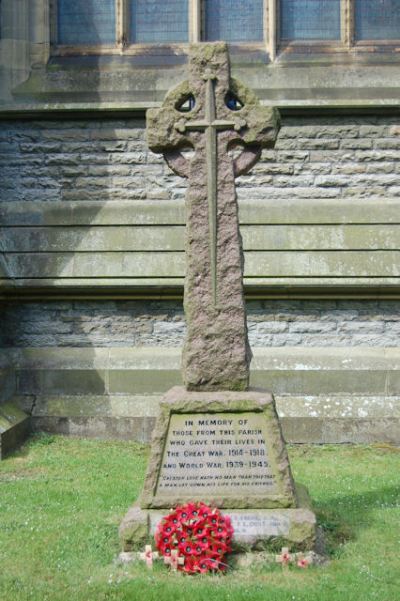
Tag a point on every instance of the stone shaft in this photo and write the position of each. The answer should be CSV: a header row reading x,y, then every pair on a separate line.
x,y
216,351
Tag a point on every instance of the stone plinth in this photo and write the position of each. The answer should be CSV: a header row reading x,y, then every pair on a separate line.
x,y
256,529
226,449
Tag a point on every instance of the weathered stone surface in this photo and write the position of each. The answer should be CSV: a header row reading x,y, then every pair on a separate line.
x,y
204,452
14,427
304,418
322,394
254,528
92,174
7,377
271,323
91,188
259,527
216,352
244,448
134,529
225,448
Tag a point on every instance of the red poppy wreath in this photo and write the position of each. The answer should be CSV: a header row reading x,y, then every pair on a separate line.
x,y
200,535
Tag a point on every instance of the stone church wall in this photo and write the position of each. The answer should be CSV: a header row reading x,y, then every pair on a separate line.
x,y
276,323
107,159
70,192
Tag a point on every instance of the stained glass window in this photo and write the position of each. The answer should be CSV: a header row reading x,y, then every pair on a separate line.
x,y
377,19
159,21
310,19
234,20
86,21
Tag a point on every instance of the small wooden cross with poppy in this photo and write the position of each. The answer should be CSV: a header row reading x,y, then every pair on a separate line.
x,y
284,558
148,556
174,560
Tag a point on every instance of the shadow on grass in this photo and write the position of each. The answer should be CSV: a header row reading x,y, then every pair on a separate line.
x,y
34,440
343,517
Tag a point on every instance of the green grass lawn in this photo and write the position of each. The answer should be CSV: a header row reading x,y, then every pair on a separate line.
x,y
61,500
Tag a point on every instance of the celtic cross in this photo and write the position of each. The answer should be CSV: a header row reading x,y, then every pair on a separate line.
x,y
212,113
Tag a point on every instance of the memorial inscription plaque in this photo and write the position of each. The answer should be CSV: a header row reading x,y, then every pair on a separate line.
x,y
224,452
221,447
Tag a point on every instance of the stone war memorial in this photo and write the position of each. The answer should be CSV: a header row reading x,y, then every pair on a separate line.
x,y
199,300
216,440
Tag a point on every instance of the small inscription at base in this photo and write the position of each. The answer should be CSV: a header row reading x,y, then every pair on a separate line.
x,y
217,454
247,526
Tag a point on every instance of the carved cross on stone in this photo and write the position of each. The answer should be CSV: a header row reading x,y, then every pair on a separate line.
x,y
212,114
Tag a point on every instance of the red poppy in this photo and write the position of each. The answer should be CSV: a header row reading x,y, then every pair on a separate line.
x,y
187,548
192,510
170,524
302,563
204,510
218,549
219,532
189,566
207,564
200,529
164,549
183,513
201,545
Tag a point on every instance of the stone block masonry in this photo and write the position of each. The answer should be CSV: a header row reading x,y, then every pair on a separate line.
x,y
99,368
86,203
276,323
318,157
77,160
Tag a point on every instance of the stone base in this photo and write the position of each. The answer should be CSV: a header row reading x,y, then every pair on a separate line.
x,y
243,560
14,427
224,448
253,528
